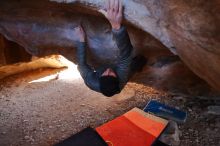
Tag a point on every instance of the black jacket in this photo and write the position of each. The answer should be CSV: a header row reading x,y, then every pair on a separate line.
x,y
122,68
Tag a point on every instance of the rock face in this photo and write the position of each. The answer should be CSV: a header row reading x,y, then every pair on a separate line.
x,y
11,52
53,61
2,54
187,28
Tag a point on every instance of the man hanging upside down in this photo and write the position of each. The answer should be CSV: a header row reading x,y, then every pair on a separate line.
x,y
110,80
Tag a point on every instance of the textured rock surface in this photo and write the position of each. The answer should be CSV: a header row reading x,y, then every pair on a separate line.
x,y
12,53
2,54
187,28
45,31
53,61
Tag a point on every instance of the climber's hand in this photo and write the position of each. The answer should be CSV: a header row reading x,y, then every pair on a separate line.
x,y
114,13
80,33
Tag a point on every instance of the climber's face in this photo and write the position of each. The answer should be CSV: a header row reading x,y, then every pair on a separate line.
x,y
109,72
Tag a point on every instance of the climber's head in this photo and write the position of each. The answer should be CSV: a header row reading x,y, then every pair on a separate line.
x,y
109,83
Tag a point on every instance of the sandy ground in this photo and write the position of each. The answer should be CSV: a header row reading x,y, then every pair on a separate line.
x,y
43,112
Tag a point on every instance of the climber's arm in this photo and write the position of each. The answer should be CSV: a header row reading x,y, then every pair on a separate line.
x,y
125,54
114,14
87,73
83,67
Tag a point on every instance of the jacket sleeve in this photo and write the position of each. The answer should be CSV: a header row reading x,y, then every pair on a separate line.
x,y
88,74
125,55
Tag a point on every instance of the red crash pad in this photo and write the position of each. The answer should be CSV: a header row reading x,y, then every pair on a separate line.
x,y
134,128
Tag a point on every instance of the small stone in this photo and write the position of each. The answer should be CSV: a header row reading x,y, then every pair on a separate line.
x,y
179,98
32,140
171,134
27,137
3,133
214,110
34,129
82,104
50,127
41,121
92,107
25,121
189,109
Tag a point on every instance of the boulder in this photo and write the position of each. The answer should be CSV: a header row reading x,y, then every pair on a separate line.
x,y
187,28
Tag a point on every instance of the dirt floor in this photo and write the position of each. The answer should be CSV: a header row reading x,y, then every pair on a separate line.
x,y
40,111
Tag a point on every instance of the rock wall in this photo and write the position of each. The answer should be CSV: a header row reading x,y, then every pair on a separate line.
x,y
11,52
2,54
189,29
45,28
53,61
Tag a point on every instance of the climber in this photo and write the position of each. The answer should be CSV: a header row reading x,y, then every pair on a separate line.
x,y
110,80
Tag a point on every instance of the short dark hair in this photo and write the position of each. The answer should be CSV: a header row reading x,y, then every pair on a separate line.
x,y
109,85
